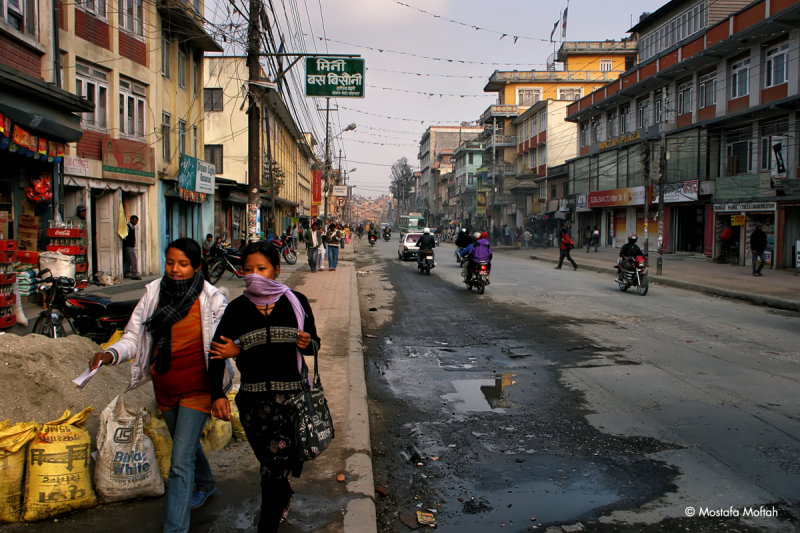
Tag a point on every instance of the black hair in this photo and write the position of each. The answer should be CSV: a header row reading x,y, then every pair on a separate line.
x,y
190,248
265,248
209,235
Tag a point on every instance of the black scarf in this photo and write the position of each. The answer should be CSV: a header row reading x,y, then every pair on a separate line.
x,y
176,297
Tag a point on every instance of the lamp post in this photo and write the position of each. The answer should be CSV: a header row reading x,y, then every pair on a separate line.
x,y
349,193
326,170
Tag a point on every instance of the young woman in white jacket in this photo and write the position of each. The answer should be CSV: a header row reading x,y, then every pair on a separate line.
x,y
168,337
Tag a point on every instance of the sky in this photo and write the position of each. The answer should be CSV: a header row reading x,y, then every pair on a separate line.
x,y
426,64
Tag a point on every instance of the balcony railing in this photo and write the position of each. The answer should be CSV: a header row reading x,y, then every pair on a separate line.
x,y
502,111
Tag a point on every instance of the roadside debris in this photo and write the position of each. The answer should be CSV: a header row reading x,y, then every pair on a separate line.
x,y
426,519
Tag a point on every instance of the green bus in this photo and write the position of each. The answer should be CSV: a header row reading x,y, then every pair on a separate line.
x,y
411,222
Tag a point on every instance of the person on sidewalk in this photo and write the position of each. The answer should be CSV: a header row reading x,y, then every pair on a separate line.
x,y
129,248
273,326
313,239
332,238
587,237
566,245
596,238
168,338
758,243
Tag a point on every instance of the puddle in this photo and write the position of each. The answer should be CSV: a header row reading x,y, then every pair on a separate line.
x,y
481,394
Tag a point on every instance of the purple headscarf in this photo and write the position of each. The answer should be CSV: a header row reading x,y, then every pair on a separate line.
x,y
266,291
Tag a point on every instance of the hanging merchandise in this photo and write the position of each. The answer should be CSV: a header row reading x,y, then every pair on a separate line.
x,y
39,190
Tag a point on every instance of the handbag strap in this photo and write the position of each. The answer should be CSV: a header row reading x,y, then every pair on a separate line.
x,y
304,369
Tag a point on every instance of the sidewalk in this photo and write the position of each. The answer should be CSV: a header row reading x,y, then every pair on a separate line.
x,y
776,288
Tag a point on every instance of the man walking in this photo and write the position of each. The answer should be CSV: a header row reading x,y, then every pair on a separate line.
x,y
313,240
567,244
129,248
758,243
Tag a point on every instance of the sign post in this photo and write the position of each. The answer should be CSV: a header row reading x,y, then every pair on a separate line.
x,y
335,77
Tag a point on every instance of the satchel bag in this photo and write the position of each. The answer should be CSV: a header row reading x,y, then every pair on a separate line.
x,y
313,423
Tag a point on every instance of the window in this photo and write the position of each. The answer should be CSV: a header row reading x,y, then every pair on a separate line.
x,y
182,64
130,16
20,15
606,65
624,119
595,130
774,146
685,98
213,154
611,124
740,85
166,127
777,67
92,84
542,121
194,142
528,96
672,32
132,103
739,152
181,136
584,134
96,7
542,155
707,91
569,94
643,113
212,99
165,55
195,74
470,157
658,106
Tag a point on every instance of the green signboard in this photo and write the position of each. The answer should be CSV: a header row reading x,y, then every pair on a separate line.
x,y
335,77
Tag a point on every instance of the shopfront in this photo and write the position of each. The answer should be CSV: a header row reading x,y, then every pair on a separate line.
x,y
742,219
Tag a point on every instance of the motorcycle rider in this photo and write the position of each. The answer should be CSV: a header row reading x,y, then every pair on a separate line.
x,y
628,252
481,252
387,233
425,242
463,240
372,233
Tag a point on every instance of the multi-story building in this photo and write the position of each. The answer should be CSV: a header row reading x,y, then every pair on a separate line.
x,y
716,92
428,198
468,159
586,67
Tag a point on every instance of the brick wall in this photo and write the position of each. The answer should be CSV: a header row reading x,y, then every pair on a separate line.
x,y
91,145
132,48
92,29
20,57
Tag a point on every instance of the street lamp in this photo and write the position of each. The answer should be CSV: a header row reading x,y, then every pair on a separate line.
x,y
327,169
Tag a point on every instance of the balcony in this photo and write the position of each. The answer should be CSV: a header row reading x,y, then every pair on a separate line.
x,y
502,111
180,18
500,79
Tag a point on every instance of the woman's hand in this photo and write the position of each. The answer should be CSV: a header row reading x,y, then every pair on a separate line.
x,y
225,349
303,339
221,408
105,357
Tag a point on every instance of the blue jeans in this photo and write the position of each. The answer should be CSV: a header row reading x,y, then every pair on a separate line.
x,y
756,265
333,256
189,466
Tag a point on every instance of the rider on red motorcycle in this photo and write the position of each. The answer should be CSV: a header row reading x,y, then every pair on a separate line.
x,y
481,252
629,252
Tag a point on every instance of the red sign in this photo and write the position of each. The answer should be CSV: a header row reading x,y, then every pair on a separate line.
x,y
316,188
128,161
314,211
630,196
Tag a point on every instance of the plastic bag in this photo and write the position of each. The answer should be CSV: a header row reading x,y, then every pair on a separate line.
x,y
126,460
216,434
13,442
236,422
117,335
157,431
57,479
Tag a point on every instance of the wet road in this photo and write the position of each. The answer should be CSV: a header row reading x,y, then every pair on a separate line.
x,y
555,398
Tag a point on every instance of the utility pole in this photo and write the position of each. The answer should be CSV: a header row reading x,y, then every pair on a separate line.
x,y
662,177
646,172
327,166
253,124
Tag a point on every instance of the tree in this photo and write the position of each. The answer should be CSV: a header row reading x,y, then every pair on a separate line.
x,y
402,181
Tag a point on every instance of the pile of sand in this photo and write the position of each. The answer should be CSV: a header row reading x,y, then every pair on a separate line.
x,y
36,374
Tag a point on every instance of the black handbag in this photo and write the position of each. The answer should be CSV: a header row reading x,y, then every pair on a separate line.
x,y
313,423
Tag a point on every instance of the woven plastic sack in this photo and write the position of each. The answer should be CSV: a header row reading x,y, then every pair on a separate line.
x,y
236,422
158,433
13,445
126,459
58,479
216,434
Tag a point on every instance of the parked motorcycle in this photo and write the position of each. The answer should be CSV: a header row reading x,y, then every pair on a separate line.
x,y
478,277
427,262
224,258
287,251
633,277
70,311
372,239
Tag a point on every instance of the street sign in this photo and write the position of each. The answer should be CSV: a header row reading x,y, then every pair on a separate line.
x,y
340,201
340,190
335,77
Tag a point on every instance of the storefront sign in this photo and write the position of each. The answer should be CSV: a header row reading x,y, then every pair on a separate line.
x,y
737,220
76,166
340,190
617,197
316,188
128,161
754,206
582,203
620,140
685,191
196,175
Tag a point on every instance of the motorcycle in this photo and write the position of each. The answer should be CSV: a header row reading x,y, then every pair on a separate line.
x,y
70,311
372,240
634,277
387,236
287,251
459,259
224,258
478,277
427,262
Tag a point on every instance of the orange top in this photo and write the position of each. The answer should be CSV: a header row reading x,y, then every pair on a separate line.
x,y
186,382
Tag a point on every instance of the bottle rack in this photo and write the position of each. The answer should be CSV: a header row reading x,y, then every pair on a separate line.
x,y
7,277
69,241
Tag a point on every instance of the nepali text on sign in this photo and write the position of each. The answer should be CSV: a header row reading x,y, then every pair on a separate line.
x,y
335,77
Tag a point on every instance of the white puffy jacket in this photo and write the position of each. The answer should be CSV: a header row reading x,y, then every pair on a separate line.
x,y
137,343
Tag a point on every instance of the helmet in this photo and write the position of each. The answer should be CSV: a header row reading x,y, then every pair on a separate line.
x,y
632,238
463,230
426,230
484,235
476,235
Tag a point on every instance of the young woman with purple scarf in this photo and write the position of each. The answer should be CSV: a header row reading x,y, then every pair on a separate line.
x,y
266,330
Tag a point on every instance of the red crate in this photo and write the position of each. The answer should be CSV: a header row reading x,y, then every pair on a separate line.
x,y
8,245
7,257
66,233
7,279
67,250
8,321
81,267
7,299
28,257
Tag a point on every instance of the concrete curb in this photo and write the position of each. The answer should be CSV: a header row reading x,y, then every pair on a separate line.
x,y
360,515
757,299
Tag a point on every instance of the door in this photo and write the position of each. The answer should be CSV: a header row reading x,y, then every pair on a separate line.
x,y
108,258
